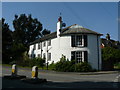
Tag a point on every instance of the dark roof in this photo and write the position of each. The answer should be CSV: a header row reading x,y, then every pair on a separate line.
x,y
73,29
110,42
46,37
76,29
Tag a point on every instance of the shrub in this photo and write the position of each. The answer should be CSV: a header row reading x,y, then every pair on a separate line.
x,y
36,62
52,66
40,62
65,65
83,67
117,65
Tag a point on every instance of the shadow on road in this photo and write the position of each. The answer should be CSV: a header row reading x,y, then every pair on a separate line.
x,y
6,83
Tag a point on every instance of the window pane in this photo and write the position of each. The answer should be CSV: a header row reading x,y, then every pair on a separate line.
x,y
79,40
79,56
49,56
44,56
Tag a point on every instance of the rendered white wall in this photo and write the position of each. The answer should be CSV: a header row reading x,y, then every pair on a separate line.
x,y
62,45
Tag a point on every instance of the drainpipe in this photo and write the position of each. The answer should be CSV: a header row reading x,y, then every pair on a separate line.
x,y
47,55
41,49
98,51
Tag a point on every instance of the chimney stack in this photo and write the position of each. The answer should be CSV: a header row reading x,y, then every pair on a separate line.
x,y
59,26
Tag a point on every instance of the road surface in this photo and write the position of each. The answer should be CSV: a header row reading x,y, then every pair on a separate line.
x,y
63,79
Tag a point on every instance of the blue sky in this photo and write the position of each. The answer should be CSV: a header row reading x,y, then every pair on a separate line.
x,y
101,17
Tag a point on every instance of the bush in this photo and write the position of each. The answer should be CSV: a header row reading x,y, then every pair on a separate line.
x,y
12,62
30,62
40,62
36,62
110,56
117,65
52,66
83,67
65,65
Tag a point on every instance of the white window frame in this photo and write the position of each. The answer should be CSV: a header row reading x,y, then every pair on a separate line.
x,y
79,55
79,45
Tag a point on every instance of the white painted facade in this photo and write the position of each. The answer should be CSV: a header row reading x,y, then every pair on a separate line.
x,y
62,45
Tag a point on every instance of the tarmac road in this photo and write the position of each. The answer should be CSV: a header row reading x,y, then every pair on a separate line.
x,y
108,79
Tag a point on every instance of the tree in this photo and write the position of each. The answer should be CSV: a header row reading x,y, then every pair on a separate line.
x,y
109,53
17,51
110,56
27,29
45,32
6,42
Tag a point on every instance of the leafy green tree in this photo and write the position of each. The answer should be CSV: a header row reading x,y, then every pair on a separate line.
x,y
109,53
27,29
110,56
6,42
17,50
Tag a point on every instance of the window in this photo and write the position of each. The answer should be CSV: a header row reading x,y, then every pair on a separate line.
x,y
39,45
34,47
49,56
44,44
44,56
79,56
49,42
79,40
39,55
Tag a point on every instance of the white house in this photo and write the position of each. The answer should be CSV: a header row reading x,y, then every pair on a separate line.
x,y
75,42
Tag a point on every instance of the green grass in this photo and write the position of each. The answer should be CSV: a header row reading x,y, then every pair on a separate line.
x,y
44,68
6,65
117,66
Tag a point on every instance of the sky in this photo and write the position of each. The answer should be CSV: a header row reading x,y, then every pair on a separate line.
x,y
101,17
